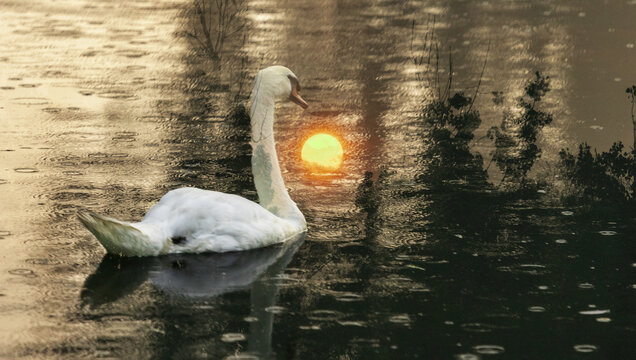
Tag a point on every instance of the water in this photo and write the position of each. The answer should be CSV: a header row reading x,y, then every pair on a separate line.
x,y
108,105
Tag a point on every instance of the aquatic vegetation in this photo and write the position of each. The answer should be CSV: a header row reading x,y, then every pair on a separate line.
x,y
216,31
237,165
515,140
450,117
367,197
218,20
452,122
607,176
453,181
631,94
238,115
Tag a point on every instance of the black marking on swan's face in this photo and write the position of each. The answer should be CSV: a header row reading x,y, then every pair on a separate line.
x,y
294,95
295,84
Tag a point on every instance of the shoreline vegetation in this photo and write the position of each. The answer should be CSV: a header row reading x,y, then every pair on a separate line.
x,y
582,177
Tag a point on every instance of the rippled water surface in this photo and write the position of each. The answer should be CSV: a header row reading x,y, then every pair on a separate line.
x,y
107,105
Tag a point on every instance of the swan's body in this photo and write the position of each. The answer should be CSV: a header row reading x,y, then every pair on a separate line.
x,y
190,220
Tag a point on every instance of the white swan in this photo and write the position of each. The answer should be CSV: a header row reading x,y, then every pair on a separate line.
x,y
190,220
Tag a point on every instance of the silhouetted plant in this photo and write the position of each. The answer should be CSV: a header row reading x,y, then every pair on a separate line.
x,y
236,161
218,20
606,176
215,30
366,198
516,148
453,122
239,116
238,80
455,181
631,94
427,60
450,116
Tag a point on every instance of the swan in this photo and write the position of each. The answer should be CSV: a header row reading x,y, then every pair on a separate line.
x,y
191,220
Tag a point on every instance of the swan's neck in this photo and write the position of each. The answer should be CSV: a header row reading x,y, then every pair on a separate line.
x,y
270,187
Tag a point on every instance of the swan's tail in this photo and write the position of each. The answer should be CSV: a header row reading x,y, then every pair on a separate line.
x,y
119,237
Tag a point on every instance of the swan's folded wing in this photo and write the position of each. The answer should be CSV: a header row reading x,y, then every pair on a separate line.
x,y
217,222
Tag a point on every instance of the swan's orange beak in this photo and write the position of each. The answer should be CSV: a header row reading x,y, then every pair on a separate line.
x,y
295,97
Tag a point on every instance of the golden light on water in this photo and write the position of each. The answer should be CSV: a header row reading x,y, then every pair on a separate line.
x,y
322,152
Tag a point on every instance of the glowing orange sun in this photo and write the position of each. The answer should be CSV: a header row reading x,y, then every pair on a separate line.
x,y
322,152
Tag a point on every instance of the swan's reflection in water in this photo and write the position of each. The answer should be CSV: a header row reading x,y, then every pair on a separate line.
x,y
191,278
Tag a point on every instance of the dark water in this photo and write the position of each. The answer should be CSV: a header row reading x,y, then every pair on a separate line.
x,y
108,105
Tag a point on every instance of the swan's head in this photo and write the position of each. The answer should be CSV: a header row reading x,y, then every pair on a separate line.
x,y
281,83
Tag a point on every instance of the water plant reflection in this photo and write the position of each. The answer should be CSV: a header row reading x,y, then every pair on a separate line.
x,y
516,138
217,21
